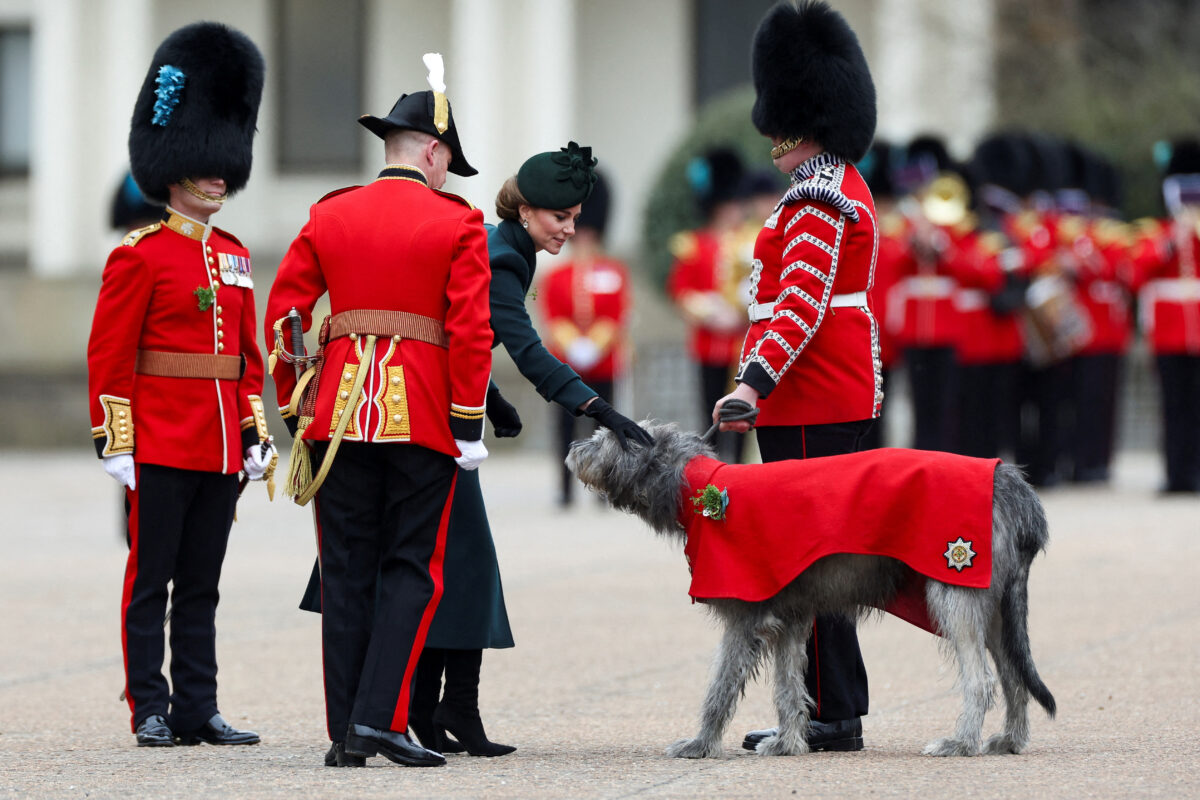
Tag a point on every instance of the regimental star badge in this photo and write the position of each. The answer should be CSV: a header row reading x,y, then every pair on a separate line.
x,y
187,228
959,554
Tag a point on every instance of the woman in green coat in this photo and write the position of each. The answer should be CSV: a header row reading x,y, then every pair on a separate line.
x,y
537,207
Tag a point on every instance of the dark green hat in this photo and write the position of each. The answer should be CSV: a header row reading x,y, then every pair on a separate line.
x,y
558,180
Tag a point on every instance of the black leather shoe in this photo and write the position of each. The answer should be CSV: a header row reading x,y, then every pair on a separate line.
x,y
338,757
217,731
365,741
844,735
153,732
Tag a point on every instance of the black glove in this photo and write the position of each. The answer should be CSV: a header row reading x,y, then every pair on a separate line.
x,y
626,429
1011,297
506,423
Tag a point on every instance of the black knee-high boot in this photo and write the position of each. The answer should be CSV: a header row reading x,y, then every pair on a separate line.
x,y
426,689
458,713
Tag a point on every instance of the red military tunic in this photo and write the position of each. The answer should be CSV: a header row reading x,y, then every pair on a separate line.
x,y
153,298
705,282
893,253
1168,284
814,263
931,510
921,309
582,296
986,337
1104,277
415,391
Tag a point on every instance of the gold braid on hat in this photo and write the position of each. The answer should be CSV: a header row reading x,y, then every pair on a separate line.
x,y
786,146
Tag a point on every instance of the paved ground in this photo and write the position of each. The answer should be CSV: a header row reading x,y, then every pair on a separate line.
x,y
610,664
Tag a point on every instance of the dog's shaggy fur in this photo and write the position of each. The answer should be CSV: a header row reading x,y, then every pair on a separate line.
x,y
648,483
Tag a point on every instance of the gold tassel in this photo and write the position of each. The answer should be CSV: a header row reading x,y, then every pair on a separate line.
x,y
300,473
269,476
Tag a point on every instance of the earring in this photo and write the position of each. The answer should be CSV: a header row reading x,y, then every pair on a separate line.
x,y
524,223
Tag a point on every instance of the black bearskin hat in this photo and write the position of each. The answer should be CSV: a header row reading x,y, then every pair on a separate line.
x,y
1004,160
811,79
594,213
130,208
195,114
876,168
1185,158
715,178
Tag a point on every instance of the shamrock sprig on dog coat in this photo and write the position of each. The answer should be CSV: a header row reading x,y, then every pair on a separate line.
x,y
711,502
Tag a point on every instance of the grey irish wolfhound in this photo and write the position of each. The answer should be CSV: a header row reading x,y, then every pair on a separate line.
x,y
648,483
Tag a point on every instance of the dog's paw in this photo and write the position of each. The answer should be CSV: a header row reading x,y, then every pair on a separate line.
x,y
782,746
949,747
1002,745
695,748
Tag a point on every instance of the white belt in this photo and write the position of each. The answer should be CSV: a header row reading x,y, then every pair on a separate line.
x,y
929,287
761,311
970,299
1172,290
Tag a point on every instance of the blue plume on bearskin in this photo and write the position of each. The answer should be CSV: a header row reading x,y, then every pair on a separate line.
x,y
170,85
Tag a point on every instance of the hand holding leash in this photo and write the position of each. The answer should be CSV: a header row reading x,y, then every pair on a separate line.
x,y
731,413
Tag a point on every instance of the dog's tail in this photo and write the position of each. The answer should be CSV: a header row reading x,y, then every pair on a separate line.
x,y
1027,521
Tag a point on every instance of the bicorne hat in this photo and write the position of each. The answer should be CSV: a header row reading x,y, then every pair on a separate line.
x,y
559,179
811,79
196,112
427,112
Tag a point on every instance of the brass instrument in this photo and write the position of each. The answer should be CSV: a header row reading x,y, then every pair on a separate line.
x,y
945,201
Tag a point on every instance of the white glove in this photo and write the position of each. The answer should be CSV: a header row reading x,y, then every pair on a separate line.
x,y
473,454
121,469
583,353
255,463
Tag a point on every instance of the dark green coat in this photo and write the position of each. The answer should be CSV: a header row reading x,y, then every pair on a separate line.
x,y
511,253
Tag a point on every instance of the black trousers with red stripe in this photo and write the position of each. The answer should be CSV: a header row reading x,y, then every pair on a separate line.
x,y
836,677
381,514
178,528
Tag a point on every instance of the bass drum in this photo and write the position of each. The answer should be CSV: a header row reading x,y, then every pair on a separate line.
x,y
1055,324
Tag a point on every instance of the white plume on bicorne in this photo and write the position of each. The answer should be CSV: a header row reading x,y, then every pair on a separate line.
x,y
437,71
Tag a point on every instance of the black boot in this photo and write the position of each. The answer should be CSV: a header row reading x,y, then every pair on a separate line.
x,y
458,712
426,688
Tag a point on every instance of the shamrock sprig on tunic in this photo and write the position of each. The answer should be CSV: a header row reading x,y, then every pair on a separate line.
x,y
205,297
711,502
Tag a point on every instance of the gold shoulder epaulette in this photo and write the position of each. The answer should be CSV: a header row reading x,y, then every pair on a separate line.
x,y
892,225
133,237
682,245
456,198
228,235
1109,232
992,242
